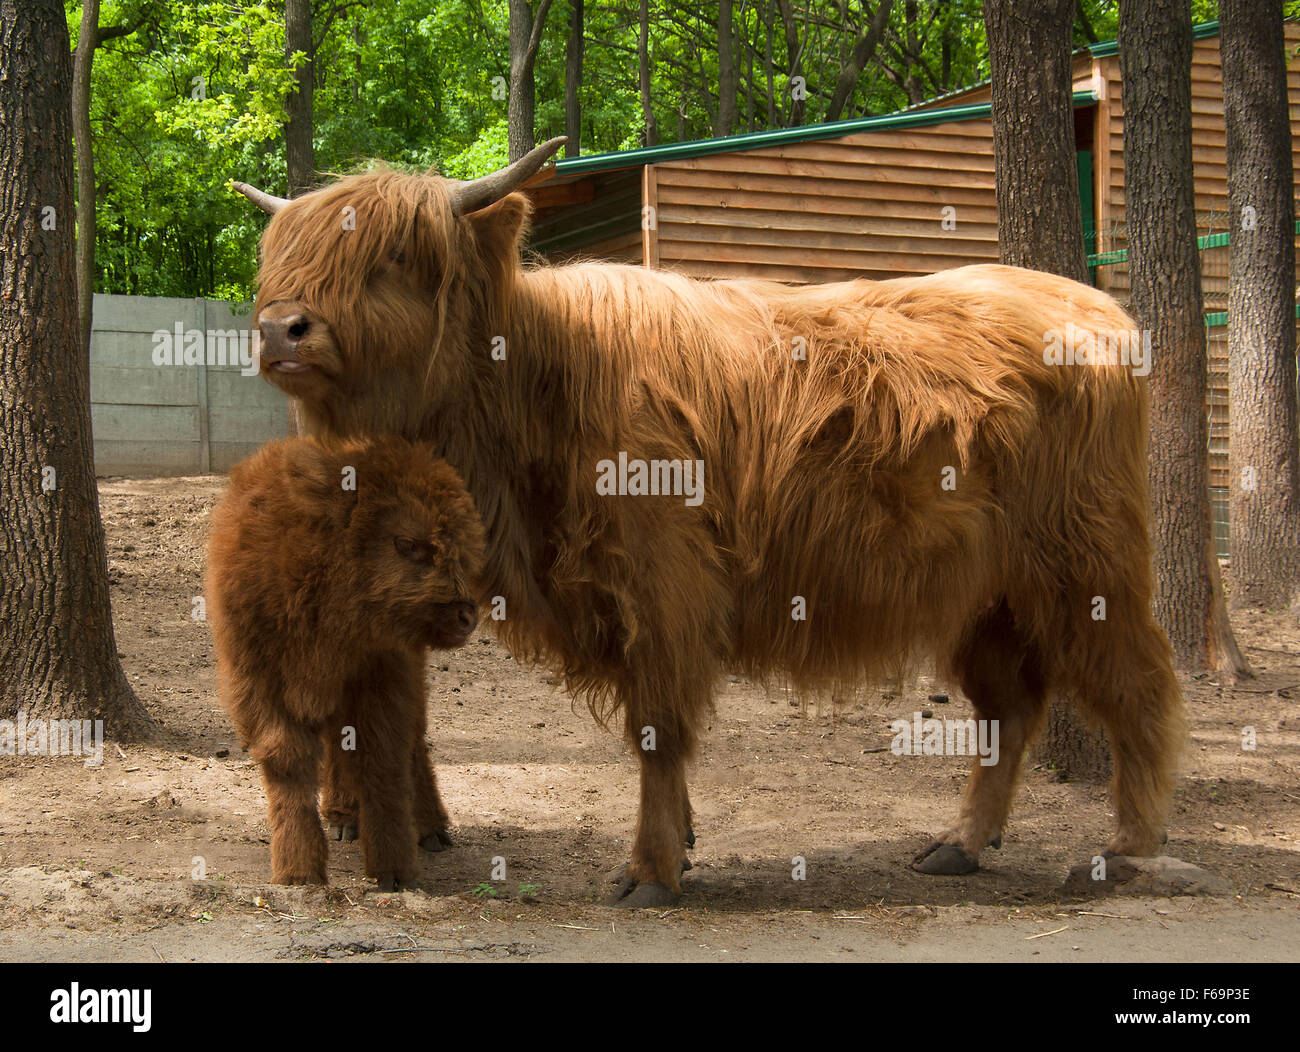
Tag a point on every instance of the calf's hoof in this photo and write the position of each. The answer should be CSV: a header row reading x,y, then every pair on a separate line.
x,y
436,841
299,878
945,860
643,895
343,830
392,882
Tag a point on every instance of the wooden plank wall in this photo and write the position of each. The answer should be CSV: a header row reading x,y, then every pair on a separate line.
x,y
865,205
607,225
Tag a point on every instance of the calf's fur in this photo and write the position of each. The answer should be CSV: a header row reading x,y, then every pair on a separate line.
x,y
331,570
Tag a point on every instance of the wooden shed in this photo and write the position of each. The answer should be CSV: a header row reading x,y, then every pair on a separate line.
x,y
880,197
857,198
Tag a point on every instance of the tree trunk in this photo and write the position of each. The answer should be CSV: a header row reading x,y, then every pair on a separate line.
x,y
749,81
299,153
87,41
727,77
1155,53
643,74
573,83
769,68
794,64
58,657
525,38
1040,227
862,52
913,85
1264,502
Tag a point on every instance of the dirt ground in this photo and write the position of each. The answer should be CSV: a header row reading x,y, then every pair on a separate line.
x,y
101,863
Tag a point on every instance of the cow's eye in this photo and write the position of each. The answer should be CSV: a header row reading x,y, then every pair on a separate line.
x,y
398,257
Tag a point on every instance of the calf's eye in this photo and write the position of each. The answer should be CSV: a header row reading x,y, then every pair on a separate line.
x,y
414,549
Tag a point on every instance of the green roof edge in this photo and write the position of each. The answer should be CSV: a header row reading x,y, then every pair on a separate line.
x,y
803,133
1200,31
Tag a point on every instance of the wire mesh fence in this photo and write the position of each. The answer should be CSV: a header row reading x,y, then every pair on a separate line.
x,y
1108,267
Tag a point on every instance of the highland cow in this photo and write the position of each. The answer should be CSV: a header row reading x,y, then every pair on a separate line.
x,y
890,469
330,573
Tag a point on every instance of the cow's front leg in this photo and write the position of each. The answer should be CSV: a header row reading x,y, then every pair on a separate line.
x,y
652,878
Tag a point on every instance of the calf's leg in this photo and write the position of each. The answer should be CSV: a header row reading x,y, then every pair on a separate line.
x,y
289,756
384,699
339,803
431,818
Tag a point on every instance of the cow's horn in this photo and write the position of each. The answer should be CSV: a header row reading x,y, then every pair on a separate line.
x,y
268,203
473,194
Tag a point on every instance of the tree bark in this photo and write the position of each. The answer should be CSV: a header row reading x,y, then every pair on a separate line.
x,y
299,151
1155,54
794,60
1040,227
525,39
87,41
89,38
862,52
643,74
769,67
727,75
58,656
1264,442
573,82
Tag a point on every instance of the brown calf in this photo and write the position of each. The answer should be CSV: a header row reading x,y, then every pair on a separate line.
x,y
330,571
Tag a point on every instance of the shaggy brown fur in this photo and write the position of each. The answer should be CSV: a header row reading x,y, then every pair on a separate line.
x,y
323,596
823,480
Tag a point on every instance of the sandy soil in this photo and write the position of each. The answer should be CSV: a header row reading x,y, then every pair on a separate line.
x,y
101,864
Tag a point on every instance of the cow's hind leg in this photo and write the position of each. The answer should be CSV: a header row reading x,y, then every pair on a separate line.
x,y
1001,672
1127,681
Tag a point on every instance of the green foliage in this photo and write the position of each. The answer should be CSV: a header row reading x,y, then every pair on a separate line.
x,y
194,98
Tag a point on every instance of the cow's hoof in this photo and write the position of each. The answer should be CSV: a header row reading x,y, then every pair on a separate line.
x,y
435,842
645,895
945,860
996,843
343,830
690,837
619,875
